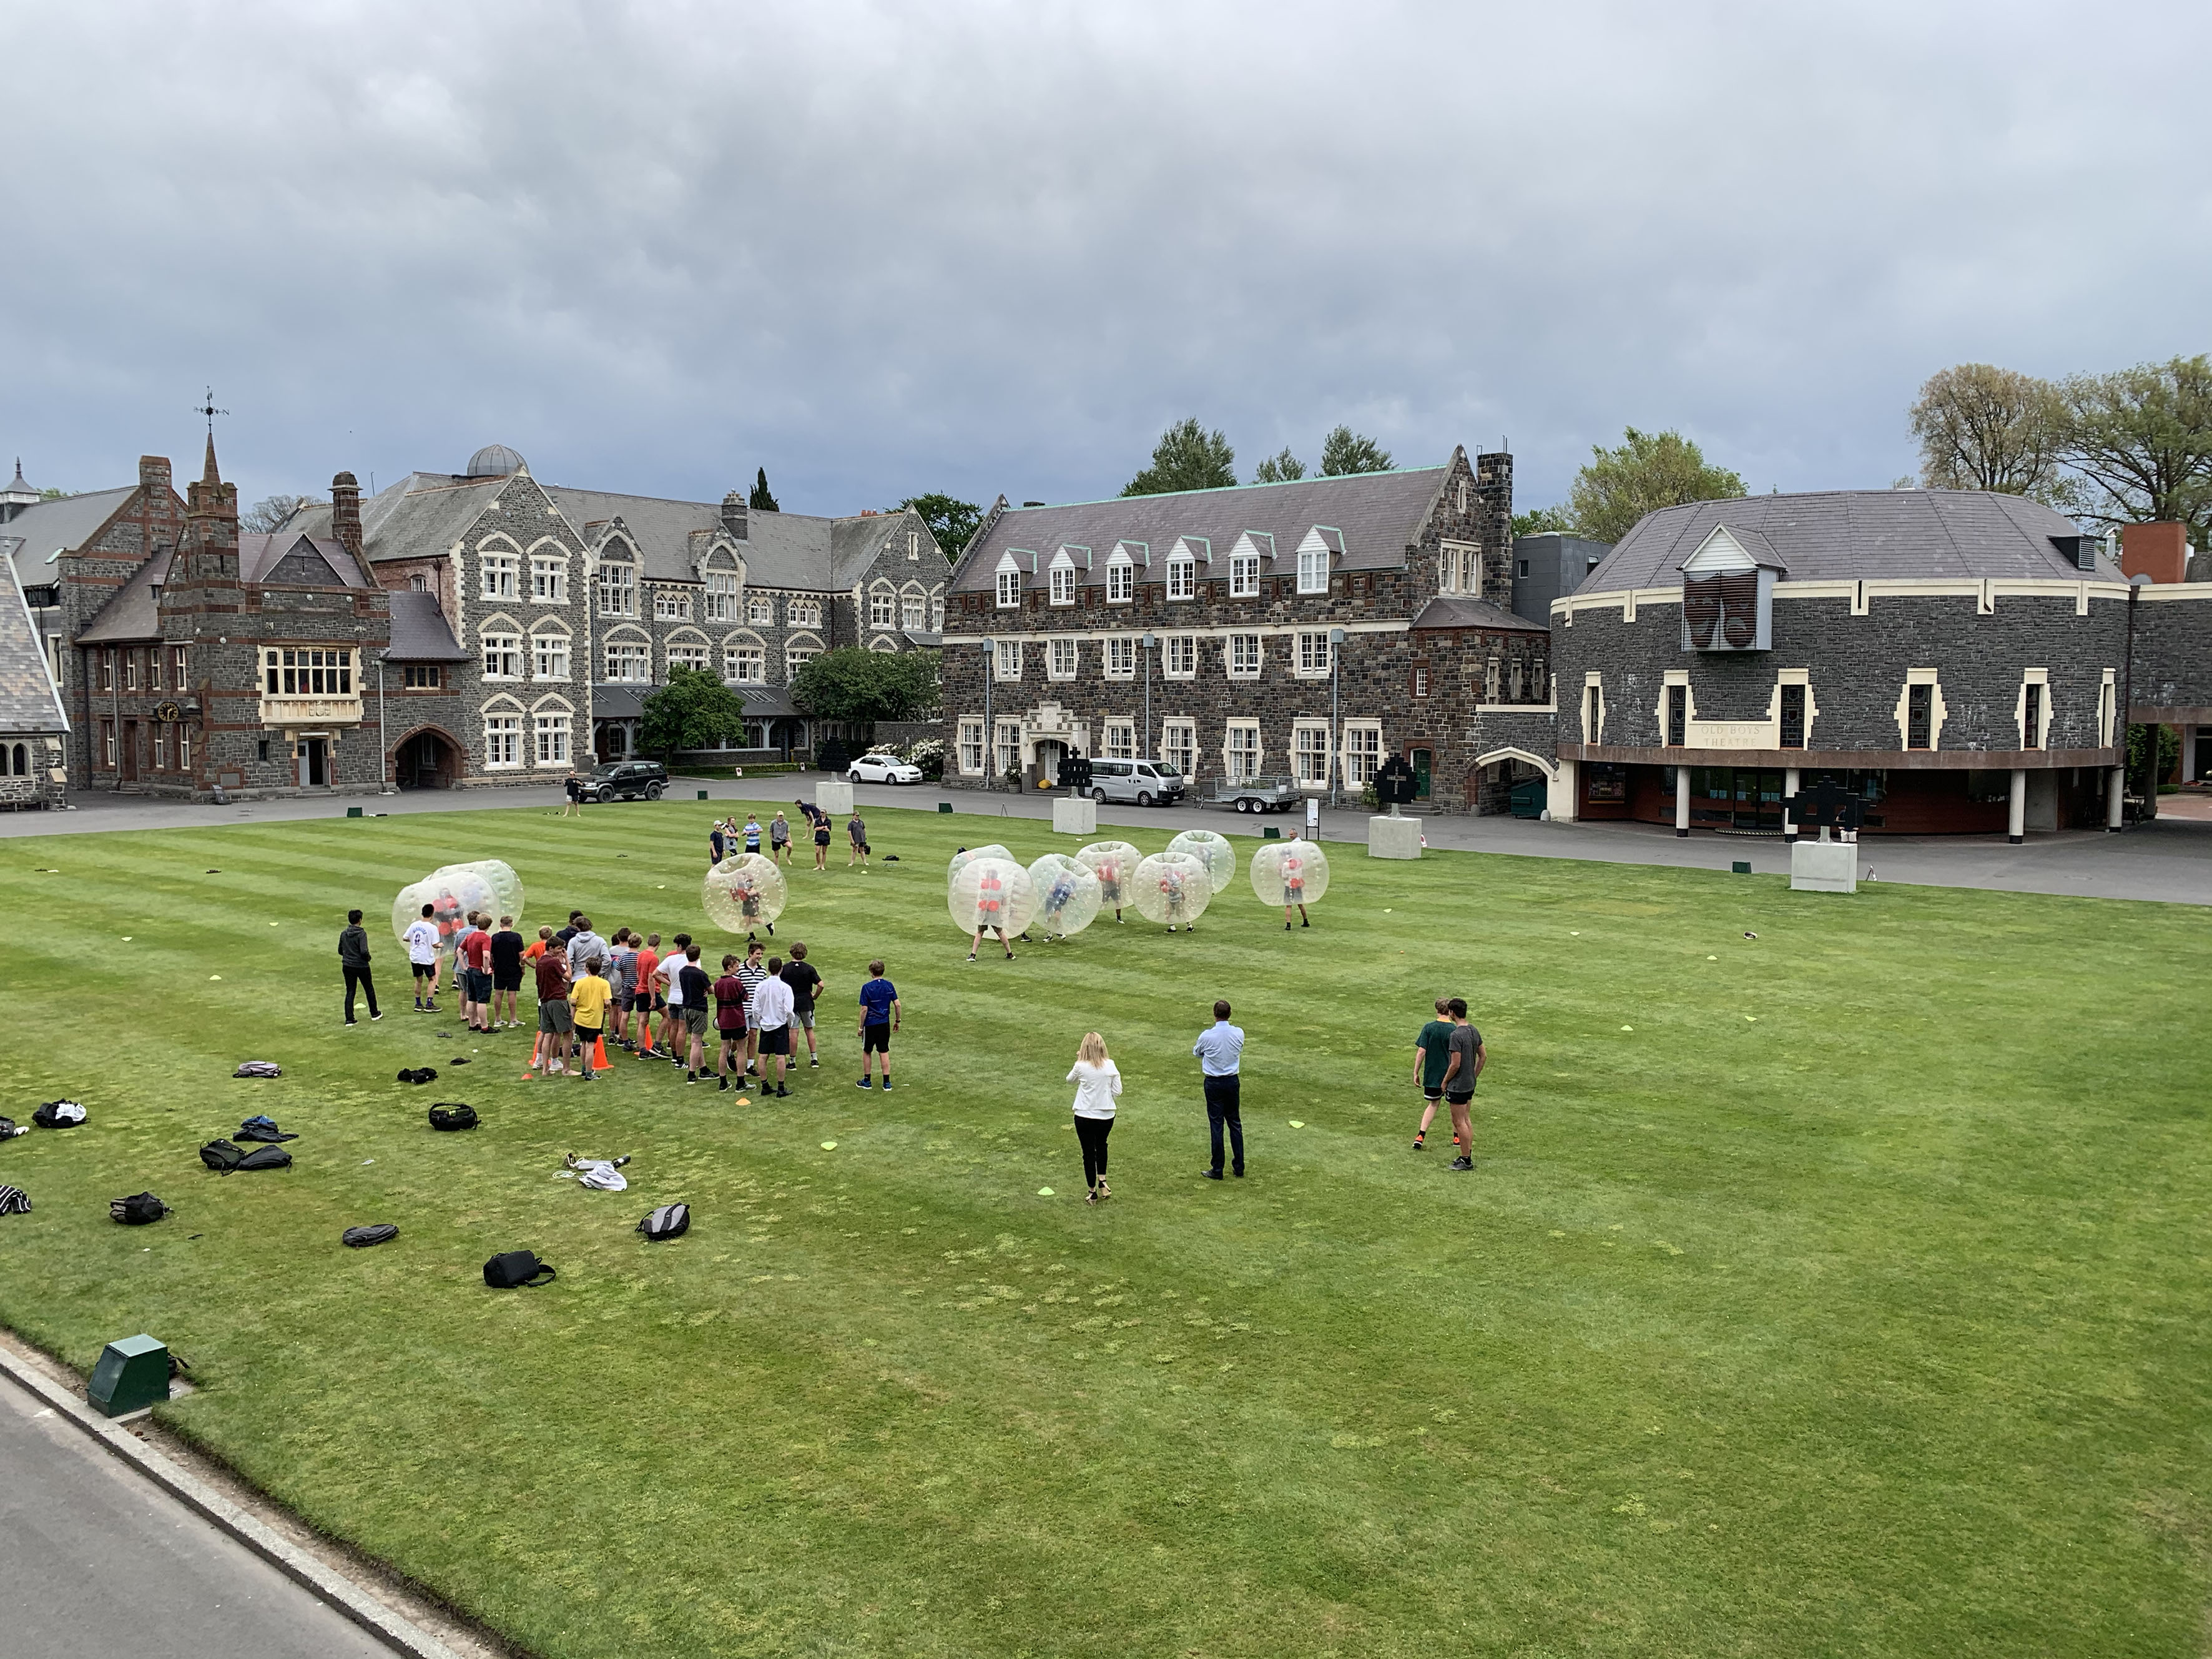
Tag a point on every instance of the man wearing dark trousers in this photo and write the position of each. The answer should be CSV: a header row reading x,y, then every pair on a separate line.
x,y
1220,1050
353,958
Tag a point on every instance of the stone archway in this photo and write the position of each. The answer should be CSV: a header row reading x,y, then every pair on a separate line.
x,y
426,758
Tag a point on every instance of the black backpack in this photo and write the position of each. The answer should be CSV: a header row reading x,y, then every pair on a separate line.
x,y
511,1268
263,1128
669,1221
460,1114
138,1209
362,1237
419,1074
7,1129
52,1116
222,1155
266,1158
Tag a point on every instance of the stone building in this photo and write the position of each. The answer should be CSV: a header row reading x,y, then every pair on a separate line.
x,y
33,728
1306,629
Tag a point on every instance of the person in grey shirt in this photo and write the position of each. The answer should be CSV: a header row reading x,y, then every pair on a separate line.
x,y
1465,1067
1220,1051
583,945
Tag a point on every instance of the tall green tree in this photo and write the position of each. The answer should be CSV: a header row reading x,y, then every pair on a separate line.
x,y
1650,470
1282,467
1537,520
1187,457
1345,451
851,684
952,521
2139,444
694,710
1984,428
761,500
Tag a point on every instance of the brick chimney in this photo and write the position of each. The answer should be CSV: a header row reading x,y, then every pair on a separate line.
x,y
2159,552
345,518
733,514
154,475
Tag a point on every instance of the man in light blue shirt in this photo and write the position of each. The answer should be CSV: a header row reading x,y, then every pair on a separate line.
x,y
1220,1051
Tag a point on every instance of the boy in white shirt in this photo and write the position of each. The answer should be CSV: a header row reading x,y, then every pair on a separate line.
x,y
422,941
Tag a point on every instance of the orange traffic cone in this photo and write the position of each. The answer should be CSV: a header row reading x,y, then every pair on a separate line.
x,y
599,1061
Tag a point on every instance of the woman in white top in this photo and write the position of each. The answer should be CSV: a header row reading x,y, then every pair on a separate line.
x,y
1097,1085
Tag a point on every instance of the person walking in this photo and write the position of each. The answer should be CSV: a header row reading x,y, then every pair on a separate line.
x,y
353,962
556,1020
1432,1059
821,824
880,1014
769,1015
729,1025
1097,1083
587,1005
574,809
856,827
1466,1062
990,913
507,947
1220,1051
805,985
752,832
779,839
422,942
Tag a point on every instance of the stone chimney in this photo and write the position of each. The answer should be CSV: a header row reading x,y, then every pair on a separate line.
x,y
154,475
2159,552
345,518
733,514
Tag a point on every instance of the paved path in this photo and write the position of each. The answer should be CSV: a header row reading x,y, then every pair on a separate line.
x,y
101,1563
2170,860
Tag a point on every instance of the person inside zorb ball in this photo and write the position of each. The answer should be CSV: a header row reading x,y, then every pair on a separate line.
x,y
744,893
992,896
1171,889
1211,850
1113,862
1293,874
1067,895
967,855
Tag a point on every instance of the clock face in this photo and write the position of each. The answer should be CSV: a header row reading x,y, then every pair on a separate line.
x,y
166,711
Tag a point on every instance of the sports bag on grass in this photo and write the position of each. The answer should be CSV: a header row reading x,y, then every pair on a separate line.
x,y
419,1074
138,1209
259,1068
222,1155
266,1158
59,1115
455,1114
669,1221
362,1237
14,1201
263,1128
9,1129
510,1268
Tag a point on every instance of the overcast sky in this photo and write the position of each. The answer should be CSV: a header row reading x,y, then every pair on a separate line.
x,y
883,250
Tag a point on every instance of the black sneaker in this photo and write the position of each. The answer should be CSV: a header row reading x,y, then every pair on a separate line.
x,y
782,1093
721,1085
1463,1163
376,1017
864,1084
1210,1175
887,1085
691,1077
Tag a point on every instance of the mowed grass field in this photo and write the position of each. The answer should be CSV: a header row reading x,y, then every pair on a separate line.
x,y
1840,1291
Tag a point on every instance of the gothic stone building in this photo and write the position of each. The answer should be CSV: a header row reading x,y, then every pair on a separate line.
x,y
1306,629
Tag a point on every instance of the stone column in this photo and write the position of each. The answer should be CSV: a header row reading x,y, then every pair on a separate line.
x,y
1561,796
2016,817
1790,787
1682,800
2115,787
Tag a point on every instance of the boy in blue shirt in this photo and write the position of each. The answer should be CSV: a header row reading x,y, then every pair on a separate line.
x,y
879,1017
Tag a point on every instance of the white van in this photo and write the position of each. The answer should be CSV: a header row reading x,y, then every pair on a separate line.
x,y
1145,782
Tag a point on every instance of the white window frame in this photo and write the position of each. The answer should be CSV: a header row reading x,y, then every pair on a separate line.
x,y
551,731
1006,662
496,577
671,604
971,747
1244,575
882,609
1121,740
1491,671
617,586
1459,567
1179,656
1062,580
688,654
719,603
1010,588
1005,748
1121,656
1179,745
1311,763
913,612
1313,570
1183,576
799,613
1312,655
1360,752
737,650
549,656
501,655
1120,581
1240,750
627,662
797,654
502,742
549,579
1244,655
1063,658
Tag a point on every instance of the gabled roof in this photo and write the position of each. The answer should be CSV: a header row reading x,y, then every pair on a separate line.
x,y
1850,535
1731,545
420,632
29,700
36,534
1379,515
290,558
133,611
1447,611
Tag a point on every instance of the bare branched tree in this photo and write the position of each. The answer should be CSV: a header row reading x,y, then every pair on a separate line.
x,y
269,513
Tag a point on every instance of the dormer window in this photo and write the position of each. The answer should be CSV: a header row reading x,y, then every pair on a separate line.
x,y
1063,582
1313,554
1727,594
1010,584
1183,576
1244,577
1120,580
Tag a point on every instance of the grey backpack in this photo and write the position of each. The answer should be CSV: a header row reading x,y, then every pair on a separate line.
x,y
669,1221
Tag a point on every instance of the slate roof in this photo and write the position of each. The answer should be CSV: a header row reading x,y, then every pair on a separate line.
x,y
37,533
29,700
133,611
292,558
1850,535
624,700
1444,612
1379,514
423,513
420,632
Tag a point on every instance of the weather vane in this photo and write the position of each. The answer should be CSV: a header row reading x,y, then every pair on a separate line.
x,y
209,410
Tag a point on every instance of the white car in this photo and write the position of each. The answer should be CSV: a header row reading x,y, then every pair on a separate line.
x,y
882,768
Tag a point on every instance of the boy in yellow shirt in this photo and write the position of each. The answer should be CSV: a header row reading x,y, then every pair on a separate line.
x,y
587,1001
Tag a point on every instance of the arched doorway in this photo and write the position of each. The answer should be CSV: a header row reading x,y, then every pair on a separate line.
x,y
428,759
1049,752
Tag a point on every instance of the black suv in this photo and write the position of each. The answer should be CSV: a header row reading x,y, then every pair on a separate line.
x,y
628,779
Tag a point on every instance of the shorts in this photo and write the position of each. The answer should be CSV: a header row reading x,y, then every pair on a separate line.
x,y
425,969
775,1040
1432,1092
624,1001
753,847
803,1018
821,837
659,1002
1456,1099
587,1035
510,982
876,1039
478,986
695,1021
557,1017
731,1033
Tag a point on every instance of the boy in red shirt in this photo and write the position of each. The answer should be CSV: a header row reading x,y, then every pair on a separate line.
x,y
730,1022
644,999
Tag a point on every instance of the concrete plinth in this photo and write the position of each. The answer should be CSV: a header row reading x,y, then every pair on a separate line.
x,y
1824,867
1074,817
1393,838
834,796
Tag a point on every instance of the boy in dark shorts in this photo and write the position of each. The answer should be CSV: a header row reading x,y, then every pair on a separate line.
x,y
1432,1059
698,991
821,842
879,1019
587,1004
505,972
730,1024
422,941
556,1021
856,831
646,1000
1467,1058
805,985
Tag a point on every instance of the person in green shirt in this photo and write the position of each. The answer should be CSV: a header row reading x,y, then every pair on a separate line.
x,y
1432,1059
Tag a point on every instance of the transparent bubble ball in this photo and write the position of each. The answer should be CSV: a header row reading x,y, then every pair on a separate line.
x,y
1213,851
1172,889
1067,892
1290,872
1113,862
969,855
744,893
506,885
996,893
452,893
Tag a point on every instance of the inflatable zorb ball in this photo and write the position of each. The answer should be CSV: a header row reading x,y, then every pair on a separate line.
x,y
744,893
1068,894
1113,862
993,894
1211,850
506,885
1290,872
1172,889
452,893
961,860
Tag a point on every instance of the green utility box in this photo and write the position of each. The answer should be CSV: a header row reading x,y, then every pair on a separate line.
x,y
1271,833
945,806
702,794
1742,867
353,811
132,1374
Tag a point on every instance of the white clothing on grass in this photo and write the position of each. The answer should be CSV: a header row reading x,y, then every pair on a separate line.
x,y
1095,1087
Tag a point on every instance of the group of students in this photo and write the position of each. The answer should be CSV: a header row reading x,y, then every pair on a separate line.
x,y
726,836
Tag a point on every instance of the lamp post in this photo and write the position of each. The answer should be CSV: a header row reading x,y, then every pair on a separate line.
x,y
990,728
1147,751
1335,722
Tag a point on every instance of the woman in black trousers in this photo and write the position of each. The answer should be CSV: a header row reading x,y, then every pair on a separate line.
x,y
1097,1085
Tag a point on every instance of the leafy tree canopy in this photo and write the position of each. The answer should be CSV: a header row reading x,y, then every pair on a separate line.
x,y
851,684
952,522
1279,468
1187,457
694,710
1539,520
761,500
1984,428
268,514
1345,451
1650,470
2139,443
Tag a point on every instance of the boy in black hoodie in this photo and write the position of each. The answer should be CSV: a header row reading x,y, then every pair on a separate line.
x,y
353,958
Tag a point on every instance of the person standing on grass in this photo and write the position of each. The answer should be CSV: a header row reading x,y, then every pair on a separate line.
x,y
779,839
575,787
353,962
857,829
587,1005
1294,885
473,963
990,913
752,970
646,999
1097,1083
879,1021
769,1015
1467,1061
805,985
752,832
718,842
584,945
821,824
1432,1059
1220,1051
422,941
622,974
556,1020
505,972
729,1025
698,1003
675,1034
